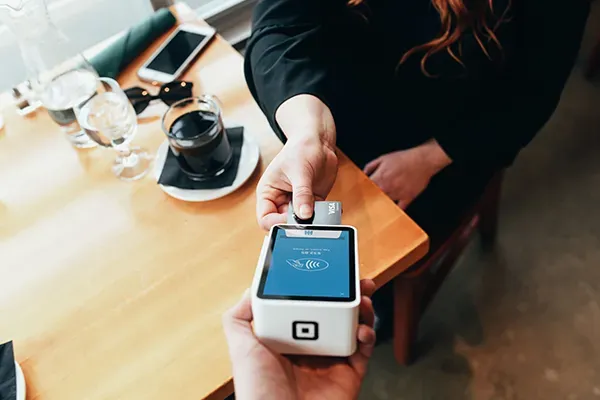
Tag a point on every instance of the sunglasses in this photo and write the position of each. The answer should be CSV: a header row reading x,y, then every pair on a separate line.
x,y
169,93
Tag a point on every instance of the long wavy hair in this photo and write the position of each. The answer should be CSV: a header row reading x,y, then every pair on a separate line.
x,y
456,18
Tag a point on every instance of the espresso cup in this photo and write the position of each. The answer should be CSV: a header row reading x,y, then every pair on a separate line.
x,y
197,137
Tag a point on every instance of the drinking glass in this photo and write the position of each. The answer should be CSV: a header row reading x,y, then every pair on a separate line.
x,y
109,119
60,95
197,137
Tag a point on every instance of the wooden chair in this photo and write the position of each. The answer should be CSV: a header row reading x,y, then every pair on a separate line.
x,y
415,288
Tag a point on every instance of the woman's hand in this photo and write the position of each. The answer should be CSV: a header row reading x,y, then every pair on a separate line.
x,y
306,167
404,175
259,373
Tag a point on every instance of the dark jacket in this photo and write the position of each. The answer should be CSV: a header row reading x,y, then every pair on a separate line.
x,y
481,113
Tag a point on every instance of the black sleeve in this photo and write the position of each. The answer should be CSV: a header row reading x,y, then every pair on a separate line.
x,y
286,54
549,38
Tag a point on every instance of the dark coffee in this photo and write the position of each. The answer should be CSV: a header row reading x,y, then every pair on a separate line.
x,y
200,144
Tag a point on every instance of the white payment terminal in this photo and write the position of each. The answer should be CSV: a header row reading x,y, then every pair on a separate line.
x,y
306,290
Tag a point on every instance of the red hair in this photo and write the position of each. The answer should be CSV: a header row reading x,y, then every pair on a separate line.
x,y
456,18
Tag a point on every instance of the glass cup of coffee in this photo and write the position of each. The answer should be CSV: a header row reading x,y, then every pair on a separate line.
x,y
197,137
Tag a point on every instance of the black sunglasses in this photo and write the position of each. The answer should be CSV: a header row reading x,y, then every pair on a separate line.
x,y
169,93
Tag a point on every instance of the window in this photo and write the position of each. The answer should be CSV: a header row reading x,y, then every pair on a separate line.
x,y
74,17
230,17
108,17
203,3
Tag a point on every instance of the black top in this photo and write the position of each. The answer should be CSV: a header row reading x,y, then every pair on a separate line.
x,y
482,113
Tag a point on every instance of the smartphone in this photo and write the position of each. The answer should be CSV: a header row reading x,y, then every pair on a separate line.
x,y
176,53
310,263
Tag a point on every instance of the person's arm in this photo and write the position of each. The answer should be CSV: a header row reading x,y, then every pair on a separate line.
x,y
550,33
286,64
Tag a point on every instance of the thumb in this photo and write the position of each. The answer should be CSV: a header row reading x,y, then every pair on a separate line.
x,y
237,324
242,311
303,198
239,315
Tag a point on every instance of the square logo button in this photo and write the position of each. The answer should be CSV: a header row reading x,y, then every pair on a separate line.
x,y
305,330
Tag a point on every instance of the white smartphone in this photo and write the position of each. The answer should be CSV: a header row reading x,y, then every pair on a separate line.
x,y
176,53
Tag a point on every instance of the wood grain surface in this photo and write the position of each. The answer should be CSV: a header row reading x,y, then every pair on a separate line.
x,y
114,290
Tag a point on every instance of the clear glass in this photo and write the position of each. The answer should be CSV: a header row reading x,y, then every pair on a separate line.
x,y
109,119
60,78
197,137
62,93
25,99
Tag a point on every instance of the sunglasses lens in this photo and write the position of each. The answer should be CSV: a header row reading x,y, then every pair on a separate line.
x,y
175,91
139,98
140,106
136,93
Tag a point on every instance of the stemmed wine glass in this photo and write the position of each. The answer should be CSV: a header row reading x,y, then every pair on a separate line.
x,y
110,120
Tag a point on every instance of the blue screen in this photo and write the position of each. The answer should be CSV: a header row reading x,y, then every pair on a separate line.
x,y
310,264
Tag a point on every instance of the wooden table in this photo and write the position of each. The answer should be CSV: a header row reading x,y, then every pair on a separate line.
x,y
115,290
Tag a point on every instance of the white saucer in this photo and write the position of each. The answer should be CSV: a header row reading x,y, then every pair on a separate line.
x,y
248,162
20,382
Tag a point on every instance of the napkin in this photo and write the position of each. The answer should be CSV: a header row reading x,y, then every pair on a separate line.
x,y
8,377
172,175
112,60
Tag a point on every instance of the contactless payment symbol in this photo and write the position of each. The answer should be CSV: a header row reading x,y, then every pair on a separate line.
x,y
309,264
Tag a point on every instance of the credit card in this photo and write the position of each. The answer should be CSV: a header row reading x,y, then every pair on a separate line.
x,y
326,213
